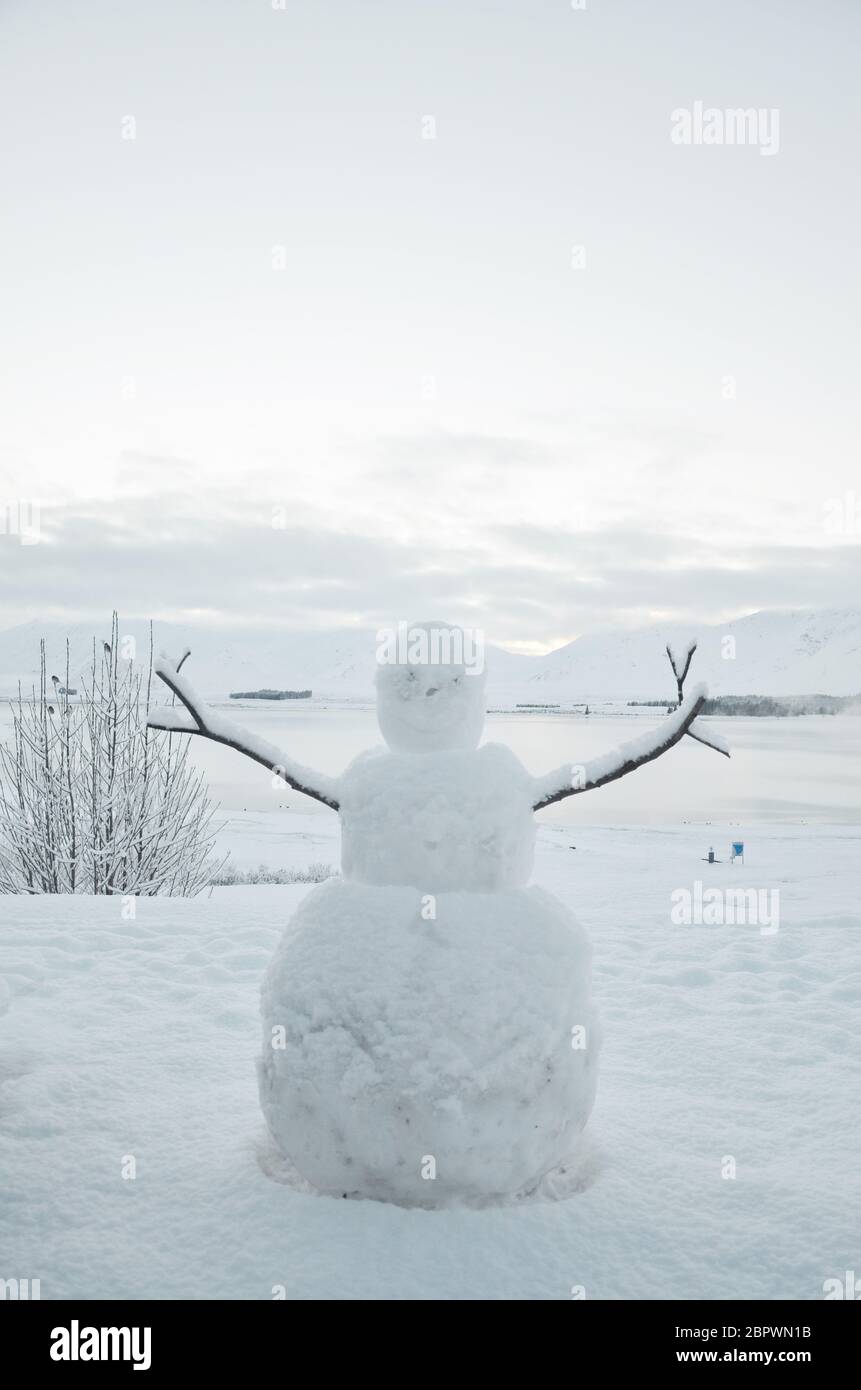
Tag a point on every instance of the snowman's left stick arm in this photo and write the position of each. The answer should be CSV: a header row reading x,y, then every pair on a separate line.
x,y
572,778
193,716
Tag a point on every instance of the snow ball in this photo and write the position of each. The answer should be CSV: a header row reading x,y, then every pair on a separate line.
x,y
428,1059
453,819
428,696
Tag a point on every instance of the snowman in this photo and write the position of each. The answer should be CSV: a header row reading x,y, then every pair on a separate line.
x,y
429,1037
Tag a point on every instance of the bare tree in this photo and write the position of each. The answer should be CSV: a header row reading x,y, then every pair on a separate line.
x,y
91,800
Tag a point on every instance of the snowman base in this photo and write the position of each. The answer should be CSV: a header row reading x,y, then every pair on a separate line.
x,y
575,1175
428,1060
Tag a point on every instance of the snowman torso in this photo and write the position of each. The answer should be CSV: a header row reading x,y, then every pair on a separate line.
x,y
459,819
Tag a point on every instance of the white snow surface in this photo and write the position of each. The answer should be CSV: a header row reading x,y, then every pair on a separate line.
x,y
139,1038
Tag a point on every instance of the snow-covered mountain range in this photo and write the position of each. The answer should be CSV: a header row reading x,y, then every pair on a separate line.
x,y
766,653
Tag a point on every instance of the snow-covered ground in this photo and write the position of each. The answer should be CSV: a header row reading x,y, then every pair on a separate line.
x,y
723,1046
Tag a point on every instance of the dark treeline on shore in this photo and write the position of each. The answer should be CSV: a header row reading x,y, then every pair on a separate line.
x,y
770,706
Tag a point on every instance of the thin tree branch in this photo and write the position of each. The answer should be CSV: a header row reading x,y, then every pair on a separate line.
x,y
571,779
197,718
709,739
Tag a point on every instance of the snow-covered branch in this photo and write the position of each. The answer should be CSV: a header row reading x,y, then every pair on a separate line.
x,y
570,779
681,664
710,738
193,716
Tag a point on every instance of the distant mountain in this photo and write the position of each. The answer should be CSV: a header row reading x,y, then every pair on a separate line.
x,y
777,653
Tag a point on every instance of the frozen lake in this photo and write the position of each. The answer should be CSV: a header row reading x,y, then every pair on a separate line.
x,y
781,770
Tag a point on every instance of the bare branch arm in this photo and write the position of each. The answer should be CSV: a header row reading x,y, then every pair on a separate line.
x,y
680,670
195,717
710,738
570,779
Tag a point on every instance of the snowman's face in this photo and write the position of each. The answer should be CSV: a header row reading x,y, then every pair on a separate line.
x,y
426,707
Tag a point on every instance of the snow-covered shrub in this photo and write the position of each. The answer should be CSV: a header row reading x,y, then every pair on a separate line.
x,y
316,872
91,800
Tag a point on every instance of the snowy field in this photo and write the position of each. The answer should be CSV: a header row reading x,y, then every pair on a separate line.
x,y
724,1045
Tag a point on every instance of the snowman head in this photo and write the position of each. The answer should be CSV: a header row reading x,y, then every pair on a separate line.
x,y
430,688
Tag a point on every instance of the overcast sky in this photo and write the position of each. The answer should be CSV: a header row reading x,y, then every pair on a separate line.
x,y
282,358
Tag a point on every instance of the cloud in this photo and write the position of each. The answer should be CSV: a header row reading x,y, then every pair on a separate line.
x,y
219,558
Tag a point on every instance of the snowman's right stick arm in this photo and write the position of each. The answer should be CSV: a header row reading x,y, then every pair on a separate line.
x,y
572,778
193,716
